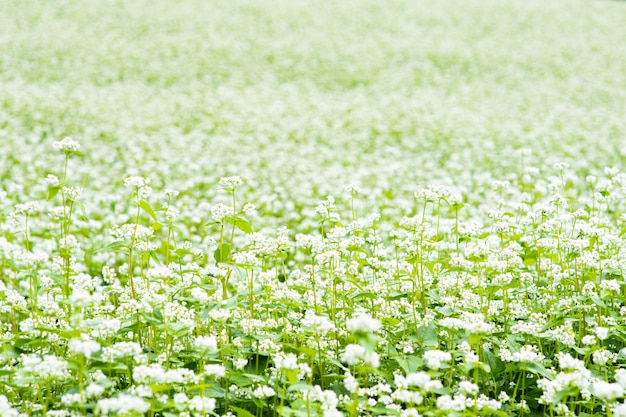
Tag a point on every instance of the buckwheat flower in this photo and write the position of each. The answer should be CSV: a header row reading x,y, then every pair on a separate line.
x,y
145,374
72,399
287,361
123,404
589,340
206,343
610,285
434,358
80,298
363,323
607,391
215,370
128,231
447,403
94,390
248,208
601,332
72,193
144,192
353,189
136,181
171,193
50,367
263,392
5,408
353,354
620,377
84,346
180,398
603,356
219,211
468,388
171,214
245,258
240,363
619,409
566,361
230,182
121,350
526,354
350,382
319,324
199,294
58,213
406,396
66,145
28,209
220,314
417,379
52,180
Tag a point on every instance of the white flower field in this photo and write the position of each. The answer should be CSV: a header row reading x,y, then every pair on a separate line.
x,y
298,208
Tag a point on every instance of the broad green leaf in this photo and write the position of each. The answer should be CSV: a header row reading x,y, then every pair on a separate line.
x,y
148,209
52,192
222,253
81,208
241,412
113,245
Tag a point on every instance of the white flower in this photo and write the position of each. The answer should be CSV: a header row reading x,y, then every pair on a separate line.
x,y
468,388
5,408
355,354
601,332
218,371
287,361
363,323
230,182
123,404
619,410
50,366
589,340
84,346
206,343
434,358
445,402
66,145
52,180
603,356
135,181
607,391
320,324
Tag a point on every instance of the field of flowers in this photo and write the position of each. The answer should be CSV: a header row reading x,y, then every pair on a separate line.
x,y
298,208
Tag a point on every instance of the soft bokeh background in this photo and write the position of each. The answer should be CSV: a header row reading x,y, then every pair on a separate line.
x,y
301,98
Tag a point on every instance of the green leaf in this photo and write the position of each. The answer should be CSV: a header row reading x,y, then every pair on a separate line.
x,y
597,301
178,329
241,412
301,386
148,209
240,223
495,364
52,192
409,364
222,253
243,225
81,208
113,245
539,369
429,336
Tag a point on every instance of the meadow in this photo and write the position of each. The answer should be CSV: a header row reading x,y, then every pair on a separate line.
x,y
297,208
